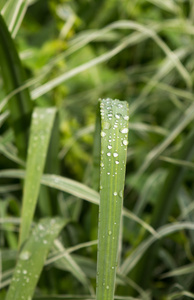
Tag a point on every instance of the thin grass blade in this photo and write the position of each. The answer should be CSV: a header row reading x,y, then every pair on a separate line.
x,y
114,140
13,74
42,122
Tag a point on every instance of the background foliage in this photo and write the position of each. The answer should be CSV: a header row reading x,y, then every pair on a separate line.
x,y
74,52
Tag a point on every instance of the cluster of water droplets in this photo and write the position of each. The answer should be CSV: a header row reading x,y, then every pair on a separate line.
x,y
114,134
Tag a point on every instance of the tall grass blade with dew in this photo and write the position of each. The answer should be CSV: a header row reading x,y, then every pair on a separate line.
x,y
114,140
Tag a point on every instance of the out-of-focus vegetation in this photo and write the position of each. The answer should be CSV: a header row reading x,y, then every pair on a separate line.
x,y
71,54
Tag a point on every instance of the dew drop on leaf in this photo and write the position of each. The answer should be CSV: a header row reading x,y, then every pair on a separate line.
x,y
124,130
25,255
103,134
125,142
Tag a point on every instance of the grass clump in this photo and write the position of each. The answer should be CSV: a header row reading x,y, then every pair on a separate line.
x,y
58,169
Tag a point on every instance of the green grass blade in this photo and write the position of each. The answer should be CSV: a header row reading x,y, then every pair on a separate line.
x,y
114,140
32,258
46,204
42,122
20,105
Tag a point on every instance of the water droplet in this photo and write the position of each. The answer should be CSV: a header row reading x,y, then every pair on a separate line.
x,y
125,142
115,193
109,147
107,287
25,255
115,154
108,154
124,130
101,187
107,125
110,232
116,162
126,118
118,115
120,105
113,268
103,134
35,115
121,194
25,271
108,173
101,164
45,241
41,227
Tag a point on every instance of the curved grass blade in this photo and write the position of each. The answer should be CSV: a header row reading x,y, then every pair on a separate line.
x,y
130,262
183,270
67,261
114,140
177,162
81,297
167,5
20,105
145,32
32,258
61,183
181,124
42,122
179,295
4,117
74,188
